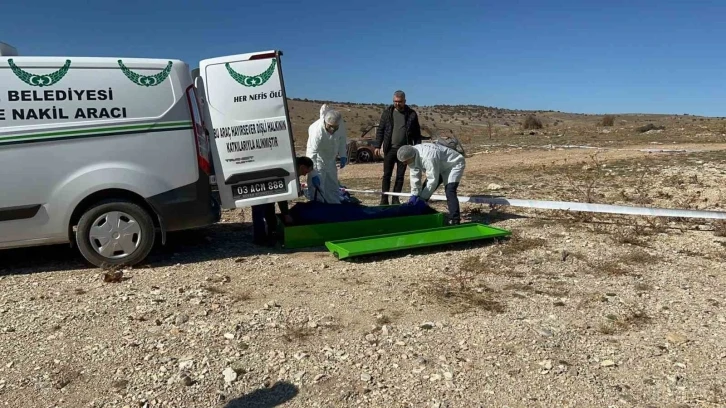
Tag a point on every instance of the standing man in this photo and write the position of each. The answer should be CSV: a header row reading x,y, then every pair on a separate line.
x,y
398,127
327,139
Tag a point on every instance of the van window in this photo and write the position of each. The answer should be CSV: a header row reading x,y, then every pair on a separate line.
x,y
199,130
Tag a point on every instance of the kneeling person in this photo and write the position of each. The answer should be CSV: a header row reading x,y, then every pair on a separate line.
x,y
442,165
264,220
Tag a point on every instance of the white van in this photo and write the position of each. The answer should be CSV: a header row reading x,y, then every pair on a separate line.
x,y
103,152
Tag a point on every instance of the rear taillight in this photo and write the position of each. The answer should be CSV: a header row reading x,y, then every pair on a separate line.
x,y
200,136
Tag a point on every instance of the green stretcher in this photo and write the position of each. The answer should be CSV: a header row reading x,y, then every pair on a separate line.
x,y
348,248
356,238
313,235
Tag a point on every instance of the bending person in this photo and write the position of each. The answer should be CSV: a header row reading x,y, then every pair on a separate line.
x,y
264,220
442,165
327,140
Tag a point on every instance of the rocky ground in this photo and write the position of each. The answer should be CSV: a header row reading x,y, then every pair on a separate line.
x,y
572,311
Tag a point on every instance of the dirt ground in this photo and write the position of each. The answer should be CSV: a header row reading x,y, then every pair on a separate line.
x,y
574,310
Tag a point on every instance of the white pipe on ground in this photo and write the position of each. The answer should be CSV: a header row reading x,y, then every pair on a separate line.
x,y
573,206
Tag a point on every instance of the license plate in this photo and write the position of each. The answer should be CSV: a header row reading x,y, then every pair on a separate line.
x,y
259,189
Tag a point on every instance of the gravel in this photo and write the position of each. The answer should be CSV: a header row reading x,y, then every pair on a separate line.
x,y
214,321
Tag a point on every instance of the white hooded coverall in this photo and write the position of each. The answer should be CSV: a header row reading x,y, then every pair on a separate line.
x,y
435,160
323,148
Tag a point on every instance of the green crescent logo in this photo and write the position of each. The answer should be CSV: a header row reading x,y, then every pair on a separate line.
x,y
255,80
40,80
144,80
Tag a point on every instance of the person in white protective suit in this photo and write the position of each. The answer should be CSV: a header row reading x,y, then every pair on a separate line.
x,y
327,138
442,165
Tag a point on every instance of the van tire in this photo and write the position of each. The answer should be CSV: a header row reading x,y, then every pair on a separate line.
x,y
138,223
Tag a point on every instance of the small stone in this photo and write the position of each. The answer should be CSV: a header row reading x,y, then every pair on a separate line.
x,y
384,330
10,364
229,375
435,377
676,338
545,332
371,338
448,376
494,187
318,377
312,325
229,336
186,364
546,364
607,363
181,319
186,380
427,326
365,377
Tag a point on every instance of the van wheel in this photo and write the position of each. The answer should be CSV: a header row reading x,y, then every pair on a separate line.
x,y
115,232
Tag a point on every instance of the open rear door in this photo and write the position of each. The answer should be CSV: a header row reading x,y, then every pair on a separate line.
x,y
246,115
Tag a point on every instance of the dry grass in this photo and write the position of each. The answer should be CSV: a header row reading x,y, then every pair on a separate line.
x,y
460,301
518,244
241,296
457,291
553,289
607,267
215,290
639,257
607,120
643,287
625,235
586,179
297,331
633,318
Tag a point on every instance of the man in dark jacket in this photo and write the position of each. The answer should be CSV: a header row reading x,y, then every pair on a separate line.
x,y
398,127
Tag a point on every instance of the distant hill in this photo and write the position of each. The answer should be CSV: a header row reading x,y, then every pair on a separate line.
x,y
482,124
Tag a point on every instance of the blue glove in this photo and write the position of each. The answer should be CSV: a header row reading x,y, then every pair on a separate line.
x,y
413,200
343,162
316,181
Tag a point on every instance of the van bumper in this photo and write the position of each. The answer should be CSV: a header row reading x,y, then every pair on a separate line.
x,y
187,207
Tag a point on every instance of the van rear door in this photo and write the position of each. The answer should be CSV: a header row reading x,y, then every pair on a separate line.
x,y
247,118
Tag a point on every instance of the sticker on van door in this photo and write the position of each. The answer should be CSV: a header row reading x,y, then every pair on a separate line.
x,y
253,80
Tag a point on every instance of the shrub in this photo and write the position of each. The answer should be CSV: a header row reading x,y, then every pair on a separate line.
x,y
648,127
608,120
532,123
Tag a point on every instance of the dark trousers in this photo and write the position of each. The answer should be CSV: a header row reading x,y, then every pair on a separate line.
x,y
452,200
264,223
390,160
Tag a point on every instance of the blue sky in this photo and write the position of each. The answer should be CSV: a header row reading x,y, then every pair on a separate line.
x,y
575,56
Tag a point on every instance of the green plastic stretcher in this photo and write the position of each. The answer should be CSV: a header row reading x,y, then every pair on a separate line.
x,y
302,236
366,245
